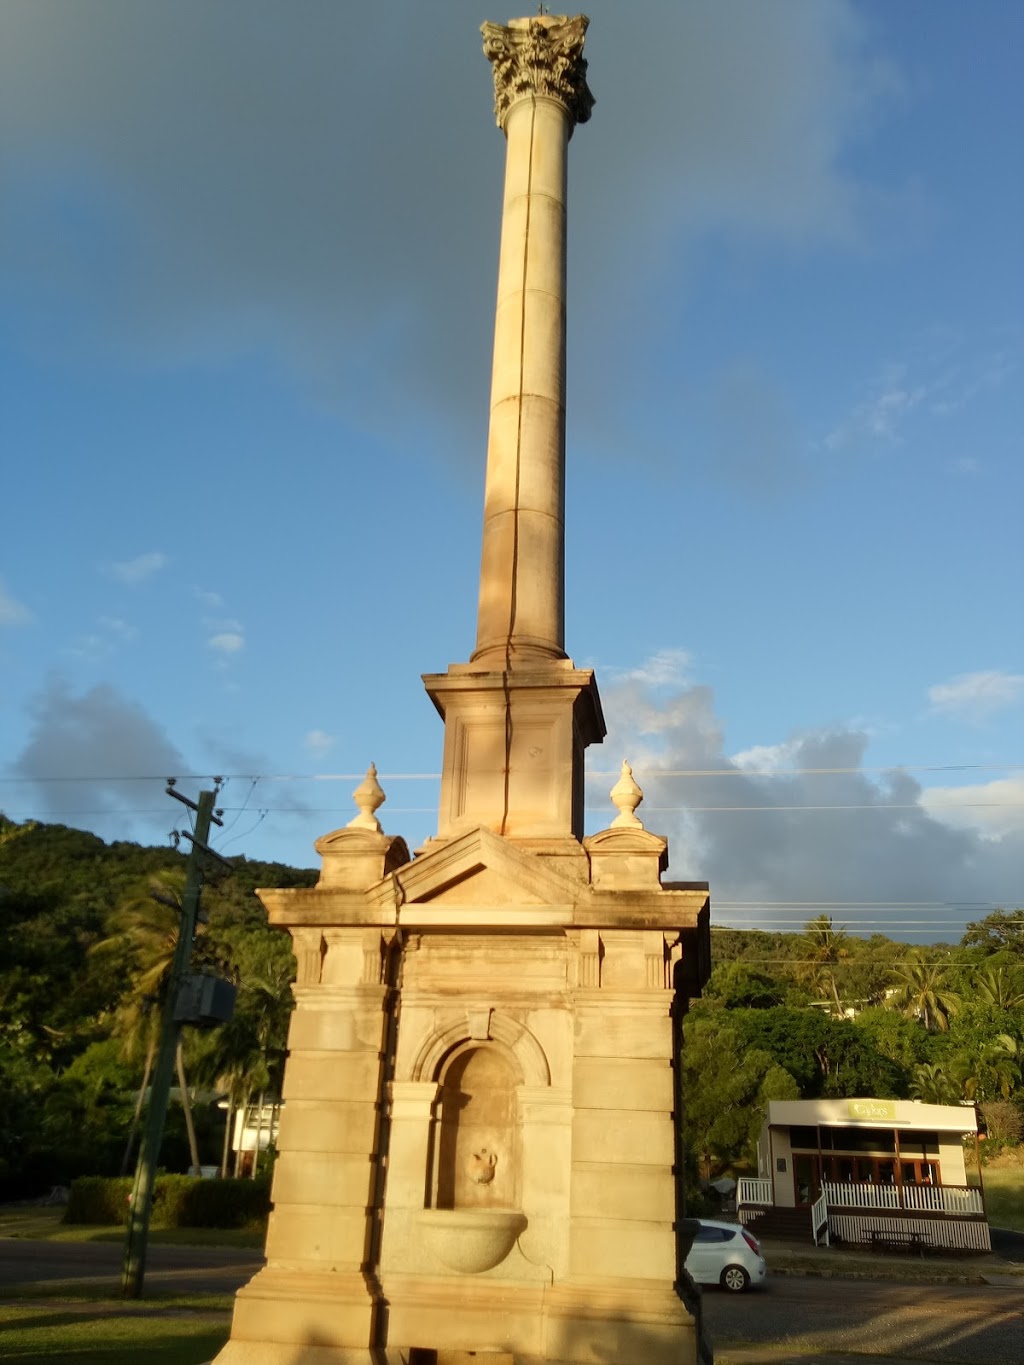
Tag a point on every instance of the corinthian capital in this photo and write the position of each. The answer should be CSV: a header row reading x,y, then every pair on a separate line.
x,y
539,56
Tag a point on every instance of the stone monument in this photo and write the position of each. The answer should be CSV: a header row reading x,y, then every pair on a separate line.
x,y
478,1151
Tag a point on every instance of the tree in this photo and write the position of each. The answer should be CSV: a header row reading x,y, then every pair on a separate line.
x,y
922,992
825,1056
999,931
895,1036
995,985
145,924
993,1073
1004,1120
737,985
246,1056
825,951
932,1084
725,1088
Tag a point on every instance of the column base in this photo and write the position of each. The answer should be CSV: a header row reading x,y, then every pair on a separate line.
x,y
301,1317
629,1322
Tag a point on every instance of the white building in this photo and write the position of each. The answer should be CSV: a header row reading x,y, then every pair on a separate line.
x,y
867,1170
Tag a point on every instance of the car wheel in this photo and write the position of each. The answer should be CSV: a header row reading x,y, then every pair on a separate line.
x,y
734,1277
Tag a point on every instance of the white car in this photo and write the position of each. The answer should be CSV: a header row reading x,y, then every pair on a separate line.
x,y
725,1254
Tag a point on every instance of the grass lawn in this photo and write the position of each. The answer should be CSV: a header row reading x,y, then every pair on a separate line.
x,y
1004,1196
99,1337
45,1224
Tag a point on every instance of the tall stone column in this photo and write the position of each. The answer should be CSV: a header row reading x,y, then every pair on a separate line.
x,y
540,95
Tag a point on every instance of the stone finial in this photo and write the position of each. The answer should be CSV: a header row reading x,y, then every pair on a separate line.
x,y
368,796
626,795
542,55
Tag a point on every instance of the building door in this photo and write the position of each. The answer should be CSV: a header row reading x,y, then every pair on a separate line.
x,y
807,1180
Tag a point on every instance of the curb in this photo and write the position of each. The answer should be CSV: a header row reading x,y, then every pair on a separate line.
x,y
813,1273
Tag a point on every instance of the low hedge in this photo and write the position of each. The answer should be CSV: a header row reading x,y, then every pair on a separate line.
x,y
99,1199
179,1201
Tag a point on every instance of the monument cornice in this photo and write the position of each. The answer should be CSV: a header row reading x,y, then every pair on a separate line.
x,y
540,57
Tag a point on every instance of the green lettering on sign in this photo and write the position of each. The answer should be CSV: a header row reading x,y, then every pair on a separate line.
x,y
872,1110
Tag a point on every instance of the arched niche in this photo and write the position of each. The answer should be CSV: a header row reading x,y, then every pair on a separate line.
x,y
487,1026
476,1146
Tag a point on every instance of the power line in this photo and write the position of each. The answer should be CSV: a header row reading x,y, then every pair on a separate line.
x,y
651,774
659,810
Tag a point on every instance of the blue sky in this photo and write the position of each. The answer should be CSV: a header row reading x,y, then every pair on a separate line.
x,y
247,262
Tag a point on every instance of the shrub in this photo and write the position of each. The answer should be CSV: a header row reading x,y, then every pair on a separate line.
x,y
224,1203
98,1199
1004,1120
179,1201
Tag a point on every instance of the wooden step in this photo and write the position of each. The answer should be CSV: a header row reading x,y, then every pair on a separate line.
x,y
776,1222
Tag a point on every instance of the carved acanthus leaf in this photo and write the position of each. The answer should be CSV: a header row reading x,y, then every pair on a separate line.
x,y
540,56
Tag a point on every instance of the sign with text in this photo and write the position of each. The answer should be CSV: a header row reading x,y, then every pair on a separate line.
x,y
874,1111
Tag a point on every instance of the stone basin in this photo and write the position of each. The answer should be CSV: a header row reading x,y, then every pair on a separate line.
x,y
471,1240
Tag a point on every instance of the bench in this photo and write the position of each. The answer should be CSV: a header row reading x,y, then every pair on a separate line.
x,y
893,1239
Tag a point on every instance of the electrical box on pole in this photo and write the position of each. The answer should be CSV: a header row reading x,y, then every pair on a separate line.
x,y
204,1001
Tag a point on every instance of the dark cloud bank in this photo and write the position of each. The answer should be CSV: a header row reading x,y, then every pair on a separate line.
x,y
319,182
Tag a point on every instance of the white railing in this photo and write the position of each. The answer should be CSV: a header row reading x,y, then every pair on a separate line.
x,y
950,1199
850,1196
938,1232
943,1199
750,1191
819,1219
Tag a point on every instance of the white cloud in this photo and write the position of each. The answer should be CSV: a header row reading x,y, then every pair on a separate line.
x,y
225,635
113,631
138,569
212,600
666,668
117,627
318,742
976,696
940,381
965,464
881,415
12,612
765,758
994,810
227,641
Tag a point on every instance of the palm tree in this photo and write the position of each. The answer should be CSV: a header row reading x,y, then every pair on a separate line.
x,y
991,1073
823,949
144,925
921,992
996,986
933,1085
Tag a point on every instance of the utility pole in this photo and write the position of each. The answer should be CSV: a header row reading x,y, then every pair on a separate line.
x,y
134,1268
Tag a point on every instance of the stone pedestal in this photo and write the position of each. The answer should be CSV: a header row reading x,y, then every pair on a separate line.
x,y
477,1140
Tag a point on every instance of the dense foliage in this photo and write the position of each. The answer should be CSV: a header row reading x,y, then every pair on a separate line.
x,y
827,1014
87,930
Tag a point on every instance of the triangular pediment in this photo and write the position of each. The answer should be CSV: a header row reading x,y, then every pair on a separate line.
x,y
480,868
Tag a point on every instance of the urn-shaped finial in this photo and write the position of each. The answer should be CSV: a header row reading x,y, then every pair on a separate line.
x,y
368,796
626,796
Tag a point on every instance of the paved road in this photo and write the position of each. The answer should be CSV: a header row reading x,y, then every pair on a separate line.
x,y
809,1320
184,1269
793,1320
